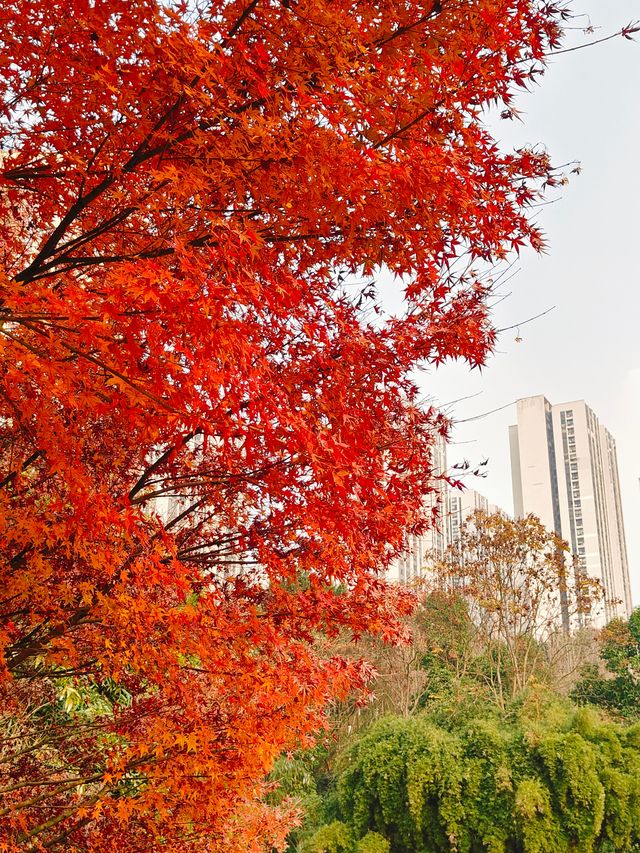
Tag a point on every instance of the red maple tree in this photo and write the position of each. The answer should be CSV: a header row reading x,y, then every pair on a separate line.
x,y
209,436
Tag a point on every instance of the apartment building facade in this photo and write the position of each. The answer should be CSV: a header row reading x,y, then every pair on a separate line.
x,y
420,550
461,505
564,469
454,507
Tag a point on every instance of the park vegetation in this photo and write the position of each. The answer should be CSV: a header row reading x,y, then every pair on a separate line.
x,y
212,442
471,741
613,682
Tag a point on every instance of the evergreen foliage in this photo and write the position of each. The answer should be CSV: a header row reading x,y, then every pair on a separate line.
x,y
619,691
466,745
543,777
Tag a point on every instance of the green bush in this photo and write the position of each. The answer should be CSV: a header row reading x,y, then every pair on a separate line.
x,y
548,778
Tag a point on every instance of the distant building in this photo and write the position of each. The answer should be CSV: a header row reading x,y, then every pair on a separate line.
x,y
412,564
454,508
564,469
461,505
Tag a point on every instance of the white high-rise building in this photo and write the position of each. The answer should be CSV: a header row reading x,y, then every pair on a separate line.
x,y
420,550
461,505
454,507
564,469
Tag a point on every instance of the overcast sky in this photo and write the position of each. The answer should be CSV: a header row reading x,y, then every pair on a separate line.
x,y
587,108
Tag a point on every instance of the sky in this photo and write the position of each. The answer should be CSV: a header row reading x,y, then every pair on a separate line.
x,y
587,108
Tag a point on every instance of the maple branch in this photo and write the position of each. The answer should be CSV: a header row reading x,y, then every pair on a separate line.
x,y
62,787
230,542
141,155
60,230
293,238
626,32
62,836
46,783
160,462
87,668
66,263
185,513
87,236
206,477
243,17
91,358
16,653
26,464
400,31
405,127
18,559
524,322
39,743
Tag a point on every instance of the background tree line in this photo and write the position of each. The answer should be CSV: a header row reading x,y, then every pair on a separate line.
x,y
476,736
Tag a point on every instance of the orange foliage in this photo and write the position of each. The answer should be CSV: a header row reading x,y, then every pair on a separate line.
x,y
195,197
